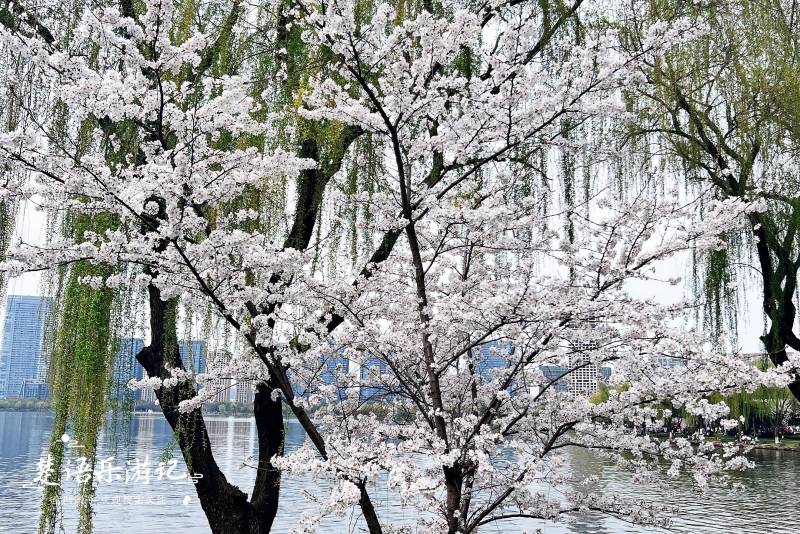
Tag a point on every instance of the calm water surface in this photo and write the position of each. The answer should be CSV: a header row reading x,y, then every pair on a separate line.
x,y
768,502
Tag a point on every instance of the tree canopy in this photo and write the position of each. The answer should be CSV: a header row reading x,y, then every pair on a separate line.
x,y
424,188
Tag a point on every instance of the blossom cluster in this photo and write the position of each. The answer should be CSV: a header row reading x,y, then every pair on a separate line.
x,y
488,274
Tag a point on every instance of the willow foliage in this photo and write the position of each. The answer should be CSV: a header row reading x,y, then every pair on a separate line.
x,y
264,45
721,111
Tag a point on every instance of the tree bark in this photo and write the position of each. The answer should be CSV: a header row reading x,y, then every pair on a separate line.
x,y
226,506
271,439
779,284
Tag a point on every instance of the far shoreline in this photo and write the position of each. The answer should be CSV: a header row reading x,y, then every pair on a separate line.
x,y
231,409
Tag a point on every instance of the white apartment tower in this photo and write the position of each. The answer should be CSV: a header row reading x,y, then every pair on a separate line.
x,y
219,359
245,391
585,375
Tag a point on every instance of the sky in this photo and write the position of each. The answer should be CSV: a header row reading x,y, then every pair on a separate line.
x,y
30,226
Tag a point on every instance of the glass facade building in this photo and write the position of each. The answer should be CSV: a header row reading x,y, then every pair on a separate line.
x,y
490,357
328,369
552,377
374,387
23,364
193,354
670,362
126,368
332,368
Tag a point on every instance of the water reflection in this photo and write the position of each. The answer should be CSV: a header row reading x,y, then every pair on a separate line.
x,y
766,502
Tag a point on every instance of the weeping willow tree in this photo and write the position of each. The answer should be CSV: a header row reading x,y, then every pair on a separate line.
x,y
81,363
82,347
767,410
763,410
724,109
79,338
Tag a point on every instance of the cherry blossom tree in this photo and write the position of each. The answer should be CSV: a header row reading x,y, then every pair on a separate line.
x,y
163,166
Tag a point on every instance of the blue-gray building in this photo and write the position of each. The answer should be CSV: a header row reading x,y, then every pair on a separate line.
x,y
670,361
126,368
37,388
552,374
373,382
333,367
329,369
23,364
193,354
490,356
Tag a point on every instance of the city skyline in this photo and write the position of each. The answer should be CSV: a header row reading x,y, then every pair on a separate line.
x,y
26,376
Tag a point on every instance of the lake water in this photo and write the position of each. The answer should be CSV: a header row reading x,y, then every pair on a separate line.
x,y
767,503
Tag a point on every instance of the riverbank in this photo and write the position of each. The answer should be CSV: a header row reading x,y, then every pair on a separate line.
x,y
24,405
779,447
791,444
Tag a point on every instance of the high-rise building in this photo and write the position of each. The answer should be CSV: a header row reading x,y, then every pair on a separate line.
x,y
491,356
553,378
147,394
193,356
245,391
127,368
36,388
490,359
334,368
584,373
670,361
329,370
373,376
218,360
23,363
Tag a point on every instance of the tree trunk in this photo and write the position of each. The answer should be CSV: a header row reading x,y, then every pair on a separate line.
x,y
779,281
226,506
271,439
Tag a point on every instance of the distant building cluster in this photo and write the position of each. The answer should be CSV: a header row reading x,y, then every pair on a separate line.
x,y
195,357
490,359
580,377
23,364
